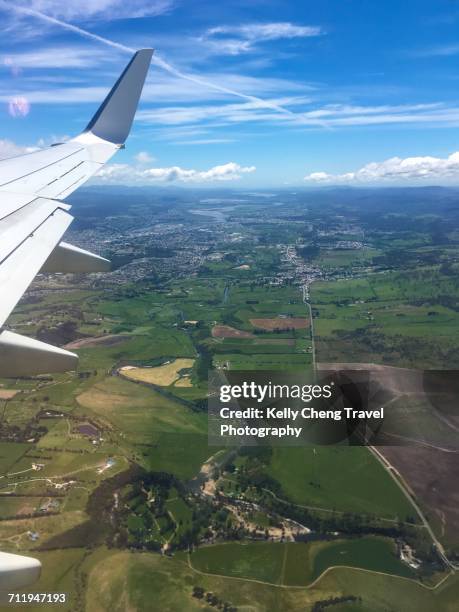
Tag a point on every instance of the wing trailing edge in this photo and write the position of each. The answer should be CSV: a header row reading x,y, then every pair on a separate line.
x,y
27,237
67,258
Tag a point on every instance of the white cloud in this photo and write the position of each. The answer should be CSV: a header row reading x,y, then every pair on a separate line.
x,y
345,115
396,169
319,177
440,51
70,95
143,157
234,40
9,148
267,31
328,116
116,173
204,141
227,46
57,57
160,88
52,139
159,61
225,112
84,10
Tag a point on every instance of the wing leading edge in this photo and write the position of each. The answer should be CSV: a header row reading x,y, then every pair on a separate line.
x,y
33,217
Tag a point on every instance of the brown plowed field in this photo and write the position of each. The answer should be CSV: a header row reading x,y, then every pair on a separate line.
x,y
108,340
281,323
226,331
433,476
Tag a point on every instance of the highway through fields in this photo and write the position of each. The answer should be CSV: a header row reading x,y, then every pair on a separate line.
x,y
390,469
311,329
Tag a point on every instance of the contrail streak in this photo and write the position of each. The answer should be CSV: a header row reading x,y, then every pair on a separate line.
x,y
260,103
68,26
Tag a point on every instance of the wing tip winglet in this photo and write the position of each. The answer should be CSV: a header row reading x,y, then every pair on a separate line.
x,y
24,356
112,121
17,571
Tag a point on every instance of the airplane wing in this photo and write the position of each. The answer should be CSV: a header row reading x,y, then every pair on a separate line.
x,y
34,216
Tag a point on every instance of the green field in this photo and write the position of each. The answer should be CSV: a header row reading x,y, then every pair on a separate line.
x,y
398,318
10,454
258,561
138,410
120,580
346,479
297,564
234,361
163,434
181,514
393,301
373,554
11,506
181,454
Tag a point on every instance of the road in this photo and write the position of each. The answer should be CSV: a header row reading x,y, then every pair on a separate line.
x,y
51,478
311,328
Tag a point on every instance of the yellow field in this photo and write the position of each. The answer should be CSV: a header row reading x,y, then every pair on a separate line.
x,y
184,382
113,393
163,375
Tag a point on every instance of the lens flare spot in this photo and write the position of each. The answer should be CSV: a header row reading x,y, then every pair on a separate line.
x,y
19,107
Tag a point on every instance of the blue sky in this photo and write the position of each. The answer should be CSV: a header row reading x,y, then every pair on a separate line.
x,y
260,93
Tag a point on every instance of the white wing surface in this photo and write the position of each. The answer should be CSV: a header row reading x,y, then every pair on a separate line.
x,y
34,217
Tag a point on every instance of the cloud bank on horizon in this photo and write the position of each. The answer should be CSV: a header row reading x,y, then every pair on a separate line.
x,y
137,175
312,90
425,168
